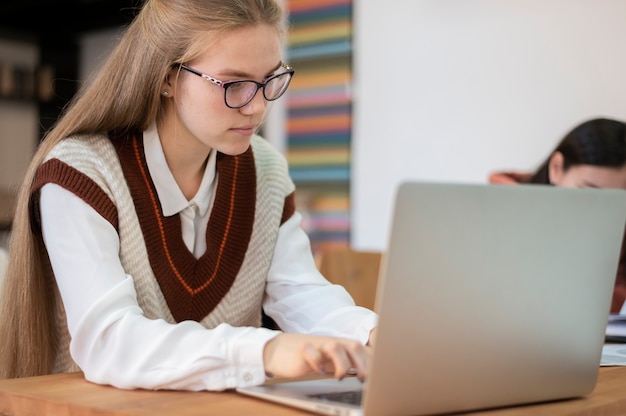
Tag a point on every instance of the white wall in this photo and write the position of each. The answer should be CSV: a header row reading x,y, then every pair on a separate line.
x,y
451,90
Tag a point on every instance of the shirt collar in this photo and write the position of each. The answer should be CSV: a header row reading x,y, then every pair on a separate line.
x,y
171,197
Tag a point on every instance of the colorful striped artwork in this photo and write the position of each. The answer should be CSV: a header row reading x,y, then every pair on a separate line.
x,y
319,115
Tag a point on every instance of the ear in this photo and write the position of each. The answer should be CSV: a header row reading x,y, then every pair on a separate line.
x,y
555,168
167,86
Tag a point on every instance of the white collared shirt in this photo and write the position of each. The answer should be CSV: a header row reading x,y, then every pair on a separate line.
x,y
115,344
194,214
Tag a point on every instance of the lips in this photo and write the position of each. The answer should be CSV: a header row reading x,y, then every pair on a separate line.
x,y
247,130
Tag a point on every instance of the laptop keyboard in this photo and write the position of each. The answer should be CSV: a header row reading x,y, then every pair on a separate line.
x,y
350,397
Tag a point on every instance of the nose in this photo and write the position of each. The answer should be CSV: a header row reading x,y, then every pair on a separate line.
x,y
258,104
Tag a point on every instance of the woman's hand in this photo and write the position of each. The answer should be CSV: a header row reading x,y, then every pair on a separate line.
x,y
295,355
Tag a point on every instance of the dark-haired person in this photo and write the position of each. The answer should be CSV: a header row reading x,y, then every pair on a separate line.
x,y
592,154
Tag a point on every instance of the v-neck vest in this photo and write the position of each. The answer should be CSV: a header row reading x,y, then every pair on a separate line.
x,y
254,196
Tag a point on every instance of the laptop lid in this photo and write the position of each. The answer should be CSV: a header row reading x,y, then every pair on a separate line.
x,y
490,296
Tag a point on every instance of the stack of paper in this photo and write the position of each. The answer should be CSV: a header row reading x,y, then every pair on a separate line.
x,y
616,328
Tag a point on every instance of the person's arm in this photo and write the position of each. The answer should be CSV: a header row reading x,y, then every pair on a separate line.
x,y
301,300
112,341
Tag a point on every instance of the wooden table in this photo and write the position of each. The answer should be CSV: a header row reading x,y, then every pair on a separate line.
x,y
70,394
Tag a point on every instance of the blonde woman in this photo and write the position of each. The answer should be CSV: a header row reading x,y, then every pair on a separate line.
x,y
154,225
4,259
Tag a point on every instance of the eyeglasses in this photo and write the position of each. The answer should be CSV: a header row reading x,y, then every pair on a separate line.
x,y
237,94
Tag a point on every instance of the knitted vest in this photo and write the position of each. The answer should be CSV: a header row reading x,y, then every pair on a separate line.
x,y
254,196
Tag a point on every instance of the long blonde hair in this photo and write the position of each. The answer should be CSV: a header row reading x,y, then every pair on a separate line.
x,y
124,95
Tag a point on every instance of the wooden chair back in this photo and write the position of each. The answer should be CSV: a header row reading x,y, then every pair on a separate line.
x,y
357,271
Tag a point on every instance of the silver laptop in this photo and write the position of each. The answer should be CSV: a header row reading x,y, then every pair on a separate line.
x,y
489,296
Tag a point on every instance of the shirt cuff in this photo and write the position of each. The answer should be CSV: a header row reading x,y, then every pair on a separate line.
x,y
248,353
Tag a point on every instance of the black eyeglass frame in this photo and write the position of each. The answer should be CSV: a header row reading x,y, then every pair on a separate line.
x,y
259,85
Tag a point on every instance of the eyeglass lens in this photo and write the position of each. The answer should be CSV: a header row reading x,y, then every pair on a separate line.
x,y
240,93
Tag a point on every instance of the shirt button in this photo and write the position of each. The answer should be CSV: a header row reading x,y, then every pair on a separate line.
x,y
247,377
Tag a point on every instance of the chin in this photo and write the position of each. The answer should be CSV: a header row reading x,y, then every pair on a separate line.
x,y
234,149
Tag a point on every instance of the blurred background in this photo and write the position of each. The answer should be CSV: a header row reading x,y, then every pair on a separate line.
x,y
387,91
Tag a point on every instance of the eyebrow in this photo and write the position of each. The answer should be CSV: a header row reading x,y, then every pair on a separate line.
x,y
239,74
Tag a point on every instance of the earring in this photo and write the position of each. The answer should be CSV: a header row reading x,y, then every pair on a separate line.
x,y
165,93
